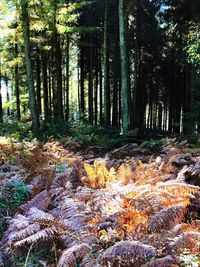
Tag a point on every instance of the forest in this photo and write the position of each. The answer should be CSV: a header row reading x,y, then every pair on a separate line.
x,y
100,133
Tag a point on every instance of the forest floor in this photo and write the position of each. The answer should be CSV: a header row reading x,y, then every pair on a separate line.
x,y
62,204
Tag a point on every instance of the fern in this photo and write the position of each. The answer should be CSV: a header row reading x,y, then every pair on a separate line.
x,y
167,261
41,201
182,241
89,261
166,218
126,253
94,220
45,234
22,234
179,188
98,175
71,255
35,214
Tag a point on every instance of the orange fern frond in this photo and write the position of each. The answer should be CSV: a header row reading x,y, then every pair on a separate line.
x,y
130,219
178,188
124,173
98,175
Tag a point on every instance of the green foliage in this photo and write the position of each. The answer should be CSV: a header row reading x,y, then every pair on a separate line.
x,y
17,130
12,195
193,45
153,145
56,129
36,258
60,168
85,134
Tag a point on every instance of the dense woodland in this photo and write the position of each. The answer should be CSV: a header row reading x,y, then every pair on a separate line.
x,y
130,64
99,133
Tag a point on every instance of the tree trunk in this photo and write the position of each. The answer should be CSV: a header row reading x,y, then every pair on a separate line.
x,y
100,90
116,72
38,84
106,69
45,86
90,84
67,79
7,94
96,85
82,82
29,68
124,66
58,59
50,83
1,107
17,93
139,93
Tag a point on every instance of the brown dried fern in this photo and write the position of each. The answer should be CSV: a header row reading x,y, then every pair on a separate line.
x,y
166,218
126,253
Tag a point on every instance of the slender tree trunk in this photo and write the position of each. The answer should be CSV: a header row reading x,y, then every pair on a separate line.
x,y
139,93
100,90
58,59
106,69
17,93
124,66
45,86
7,94
67,79
50,83
115,88
1,106
82,81
90,84
96,85
116,74
29,68
38,84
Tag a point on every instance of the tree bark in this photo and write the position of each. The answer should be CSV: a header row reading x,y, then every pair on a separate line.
x,y
45,86
82,82
38,84
58,59
17,93
7,94
90,84
106,69
28,62
1,106
100,89
124,66
67,78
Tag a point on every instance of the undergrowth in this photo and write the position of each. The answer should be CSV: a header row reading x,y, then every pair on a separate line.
x,y
12,195
113,211
100,213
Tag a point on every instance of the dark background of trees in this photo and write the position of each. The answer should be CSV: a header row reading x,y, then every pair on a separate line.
x,y
137,63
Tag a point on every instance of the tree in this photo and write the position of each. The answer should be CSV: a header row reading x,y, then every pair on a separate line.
x,y
1,109
106,68
28,62
124,66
